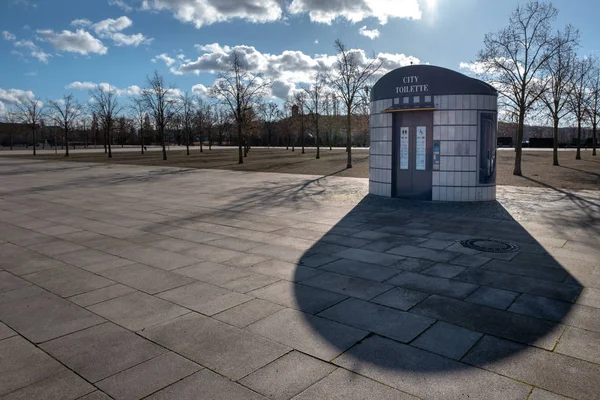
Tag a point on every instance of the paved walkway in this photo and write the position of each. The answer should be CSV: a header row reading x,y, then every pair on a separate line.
x,y
129,282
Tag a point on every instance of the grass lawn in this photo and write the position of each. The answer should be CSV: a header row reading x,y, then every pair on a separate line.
x,y
537,165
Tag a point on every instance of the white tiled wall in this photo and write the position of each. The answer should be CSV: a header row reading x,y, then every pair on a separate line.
x,y
455,125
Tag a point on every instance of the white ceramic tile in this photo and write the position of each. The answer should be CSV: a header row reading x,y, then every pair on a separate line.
x,y
466,103
437,132
444,102
451,117
472,193
396,100
452,101
436,117
443,163
435,193
472,163
465,163
450,194
436,178
472,148
443,193
450,179
480,102
451,132
444,118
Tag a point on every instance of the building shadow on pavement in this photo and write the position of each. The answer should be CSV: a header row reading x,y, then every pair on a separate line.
x,y
390,288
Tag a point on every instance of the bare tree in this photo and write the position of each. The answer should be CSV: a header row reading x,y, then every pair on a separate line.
x,y
514,58
594,103
12,118
30,112
579,95
84,123
105,105
271,114
558,73
138,112
301,99
241,91
187,111
158,102
349,78
64,114
315,105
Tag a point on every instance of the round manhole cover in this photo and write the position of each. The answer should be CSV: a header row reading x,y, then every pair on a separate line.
x,y
490,245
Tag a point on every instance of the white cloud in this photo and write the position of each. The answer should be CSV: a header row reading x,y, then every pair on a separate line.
x,y
15,96
34,50
316,41
32,73
208,12
111,29
164,57
129,91
8,36
357,10
121,4
473,67
41,55
81,22
286,69
2,109
371,34
80,41
200,90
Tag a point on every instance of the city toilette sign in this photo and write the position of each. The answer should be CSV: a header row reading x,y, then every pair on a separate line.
x,y
412,85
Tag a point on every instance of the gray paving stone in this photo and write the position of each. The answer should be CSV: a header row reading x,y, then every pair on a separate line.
x,y
137,310
223,348
530,270
55,247
554,310
346,385
427,375
400,298
248,313
21,293
148,377
468,260
484,319
237,244
319,337
147,279
541,394
589,297
360,269
385,321
250,282
6,332
380,246
213,273
285,270
97,395
22,364
45,316
158,258
374,257
85,257
413,264
344,240
100,295
68,281
492,297
424,253
347,285
447,340
204,298
245,260
304,298
317,260
9,281
106,265
443,270
553,290
325,248
287,376
211,385
560,374
63,386
433,285
101,351
29,263
282,253
436,244
581,344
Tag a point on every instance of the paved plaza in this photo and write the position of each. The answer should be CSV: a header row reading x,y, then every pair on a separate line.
x,y
128,282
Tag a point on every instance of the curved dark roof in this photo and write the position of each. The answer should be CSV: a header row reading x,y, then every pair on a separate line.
x,y
439,81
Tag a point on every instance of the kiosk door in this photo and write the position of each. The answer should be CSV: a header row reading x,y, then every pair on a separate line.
x,y
413,138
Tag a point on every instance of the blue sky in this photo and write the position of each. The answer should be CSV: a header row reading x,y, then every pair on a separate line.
x,y
52,47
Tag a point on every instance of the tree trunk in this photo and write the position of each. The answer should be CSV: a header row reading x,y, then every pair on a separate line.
x,y
187,142
240,144
33,132
555,150
349,139
66,143
288,141
142,139
519,144
11,141
105,141
302,132
594,127
109,146
317,138
578,156
162,141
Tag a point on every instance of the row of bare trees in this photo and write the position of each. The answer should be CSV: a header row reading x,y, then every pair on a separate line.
x,y
540,75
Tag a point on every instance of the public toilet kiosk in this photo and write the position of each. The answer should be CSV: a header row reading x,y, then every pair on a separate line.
x,y
433,135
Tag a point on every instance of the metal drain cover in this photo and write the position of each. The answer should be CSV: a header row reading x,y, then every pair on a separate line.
x,y
490,245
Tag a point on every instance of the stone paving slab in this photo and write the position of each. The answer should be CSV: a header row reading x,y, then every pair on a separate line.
x,y
231,275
